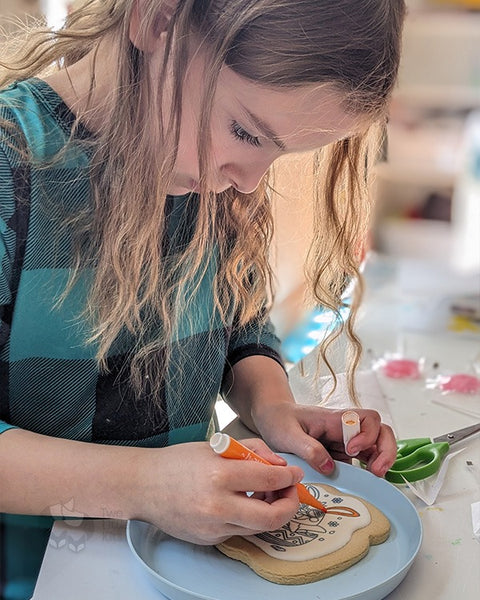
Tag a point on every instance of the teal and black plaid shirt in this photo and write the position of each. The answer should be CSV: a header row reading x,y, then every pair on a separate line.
x,y
49,380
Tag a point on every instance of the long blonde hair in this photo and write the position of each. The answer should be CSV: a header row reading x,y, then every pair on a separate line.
x,y
353,45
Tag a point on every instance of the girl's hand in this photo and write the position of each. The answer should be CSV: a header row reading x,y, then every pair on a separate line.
x,y
191,493
308,431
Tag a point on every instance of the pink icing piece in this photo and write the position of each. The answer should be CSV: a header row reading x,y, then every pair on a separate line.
x,y
401,368
465,384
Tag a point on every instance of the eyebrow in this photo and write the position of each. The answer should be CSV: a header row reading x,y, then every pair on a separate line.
x,y
265,129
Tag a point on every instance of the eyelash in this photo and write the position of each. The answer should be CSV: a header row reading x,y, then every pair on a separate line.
x,y
240,134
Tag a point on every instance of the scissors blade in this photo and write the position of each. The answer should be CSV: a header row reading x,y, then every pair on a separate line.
x,y
458,435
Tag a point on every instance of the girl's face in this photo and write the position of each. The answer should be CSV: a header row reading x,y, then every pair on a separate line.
x,y
251,126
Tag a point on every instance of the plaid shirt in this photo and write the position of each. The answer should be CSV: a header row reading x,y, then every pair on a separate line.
x,y
49,379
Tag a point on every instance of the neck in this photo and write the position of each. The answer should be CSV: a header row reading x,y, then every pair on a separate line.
x,y
86,87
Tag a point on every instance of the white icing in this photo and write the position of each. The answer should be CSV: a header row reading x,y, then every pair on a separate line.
x,y
313,533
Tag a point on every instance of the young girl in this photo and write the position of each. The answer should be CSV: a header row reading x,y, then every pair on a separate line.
x,y
135,224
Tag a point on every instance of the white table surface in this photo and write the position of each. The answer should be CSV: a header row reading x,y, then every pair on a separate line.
x,y
91,559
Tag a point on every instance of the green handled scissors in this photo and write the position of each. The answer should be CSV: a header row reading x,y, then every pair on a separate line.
x,y
419,458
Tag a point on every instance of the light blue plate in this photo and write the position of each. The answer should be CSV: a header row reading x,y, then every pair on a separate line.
x,y
183,571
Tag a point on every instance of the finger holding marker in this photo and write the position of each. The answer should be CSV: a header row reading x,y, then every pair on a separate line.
x,y
375,443
370,430
260,477
385,455
228,447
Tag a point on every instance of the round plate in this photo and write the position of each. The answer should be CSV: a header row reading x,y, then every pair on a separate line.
x,y
183,571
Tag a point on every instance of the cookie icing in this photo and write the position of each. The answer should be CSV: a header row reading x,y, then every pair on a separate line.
x,y
312,533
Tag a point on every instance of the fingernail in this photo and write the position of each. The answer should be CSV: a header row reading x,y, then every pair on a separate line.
x,y
327,466
353,451
300,476
383,470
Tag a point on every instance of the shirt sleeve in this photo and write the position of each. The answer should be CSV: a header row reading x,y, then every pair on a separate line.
x,y
255,338
6,426
7,251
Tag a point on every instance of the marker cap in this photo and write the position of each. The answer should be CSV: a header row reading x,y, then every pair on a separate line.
x,y
219,442
350,428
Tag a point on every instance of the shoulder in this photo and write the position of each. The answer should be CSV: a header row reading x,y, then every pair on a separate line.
x,y
7,201
13,151
8,234
32,114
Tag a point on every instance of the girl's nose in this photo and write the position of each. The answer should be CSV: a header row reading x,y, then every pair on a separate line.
x,y
245,179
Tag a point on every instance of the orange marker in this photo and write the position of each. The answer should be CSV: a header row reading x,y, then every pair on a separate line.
x,y
229,447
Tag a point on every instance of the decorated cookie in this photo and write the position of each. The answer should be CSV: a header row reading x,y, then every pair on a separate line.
x,y
314,544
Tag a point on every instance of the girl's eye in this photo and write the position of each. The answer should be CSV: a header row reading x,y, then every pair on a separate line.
x,y
240,134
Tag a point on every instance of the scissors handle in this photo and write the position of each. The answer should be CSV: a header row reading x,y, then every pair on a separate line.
x,y
416,459
405,447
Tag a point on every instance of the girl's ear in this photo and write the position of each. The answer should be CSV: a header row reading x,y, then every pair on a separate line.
x,y
143,37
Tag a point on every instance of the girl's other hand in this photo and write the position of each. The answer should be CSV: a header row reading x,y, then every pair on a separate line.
x,y
315,434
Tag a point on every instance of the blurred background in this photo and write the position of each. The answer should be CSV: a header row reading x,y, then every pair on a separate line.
x,y
428,191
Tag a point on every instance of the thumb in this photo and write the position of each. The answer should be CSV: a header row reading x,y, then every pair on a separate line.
x,y
314,453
